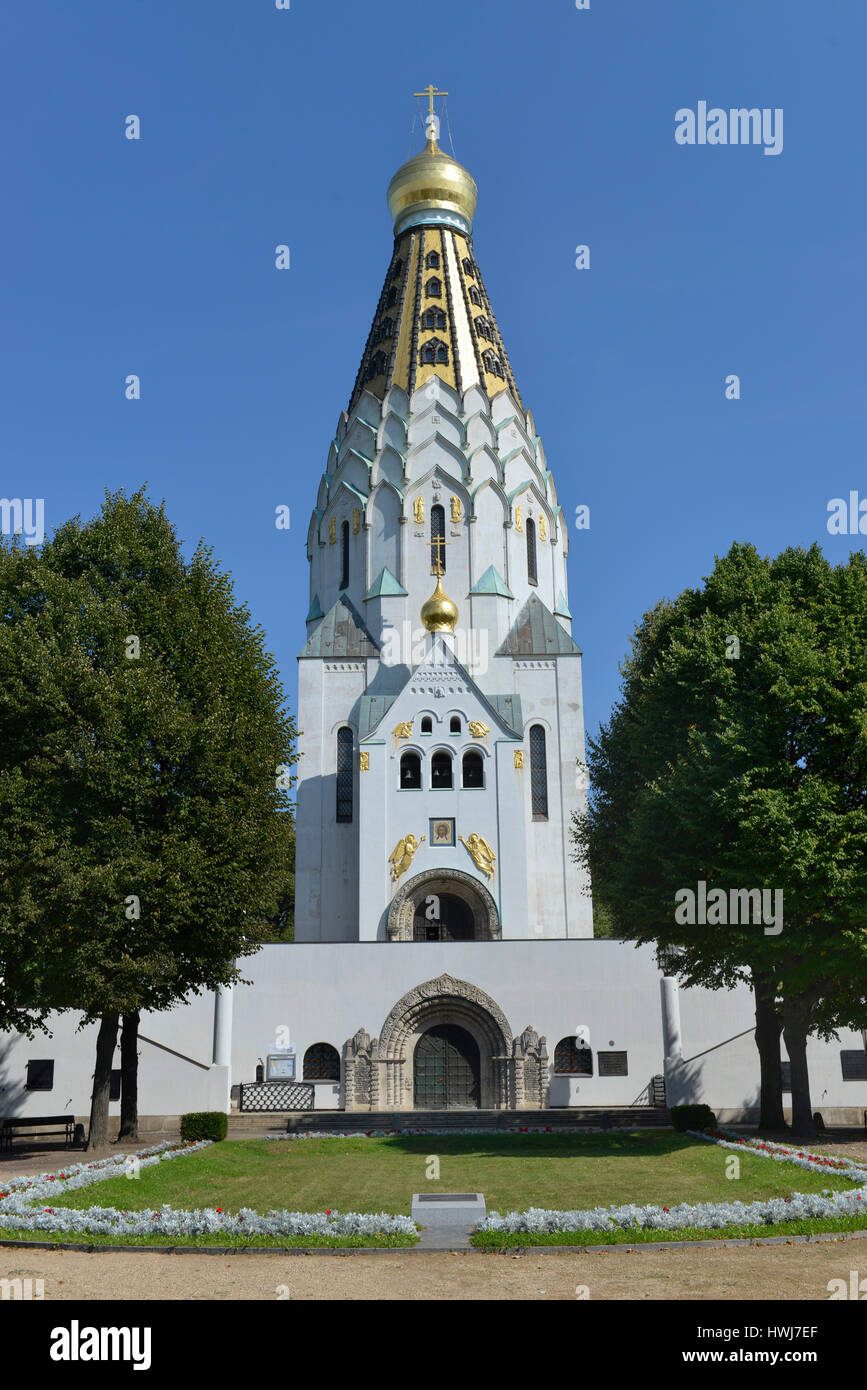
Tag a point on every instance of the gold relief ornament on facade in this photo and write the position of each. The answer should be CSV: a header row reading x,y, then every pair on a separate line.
x,y
519,519
478,729
403,730
457,510
543,528
364,762
480,852
332,530
519,757
418,510
356,520
402,855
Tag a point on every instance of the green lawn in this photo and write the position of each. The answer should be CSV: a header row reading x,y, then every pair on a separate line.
x,y
514,1171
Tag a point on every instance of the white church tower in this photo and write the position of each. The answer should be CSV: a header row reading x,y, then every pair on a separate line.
x,y
440,686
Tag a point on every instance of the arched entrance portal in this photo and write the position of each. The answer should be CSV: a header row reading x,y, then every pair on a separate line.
x,y
446,1069
443,917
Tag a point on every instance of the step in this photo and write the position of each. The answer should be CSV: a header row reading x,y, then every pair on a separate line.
x,y
602,1117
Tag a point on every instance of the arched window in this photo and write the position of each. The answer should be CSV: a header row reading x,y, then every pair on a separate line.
x,y
433,318
344,555
322,1063
538,773
433,289
379,364
398,270
572,1058
441,770
410,772
432,260
392,297
469,268
483,328
532,572
385,330
475,297
455,724
437,539
434,350
344,775
427,724
474,769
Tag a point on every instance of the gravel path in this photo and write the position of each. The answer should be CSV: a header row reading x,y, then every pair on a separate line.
x,y
798,1272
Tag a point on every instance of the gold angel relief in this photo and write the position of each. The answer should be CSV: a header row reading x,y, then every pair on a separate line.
x,y
519,519
478,729
402,855
332,530
543,528
418,510
402,730
457,510
480,852
356,520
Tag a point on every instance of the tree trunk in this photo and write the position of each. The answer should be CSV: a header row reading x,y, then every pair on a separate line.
x,y
796,1026
106,1041
769,1026
129,1077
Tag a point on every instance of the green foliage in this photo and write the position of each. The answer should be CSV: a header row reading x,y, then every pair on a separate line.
x,y
697,1117
204,1124
744,771
143,833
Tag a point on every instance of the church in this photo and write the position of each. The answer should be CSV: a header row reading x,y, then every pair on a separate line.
x,y
444,957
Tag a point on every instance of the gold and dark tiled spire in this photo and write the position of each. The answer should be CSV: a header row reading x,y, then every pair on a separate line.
x,y
434,317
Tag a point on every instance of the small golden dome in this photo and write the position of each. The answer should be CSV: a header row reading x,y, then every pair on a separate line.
x,y
439,614
430,188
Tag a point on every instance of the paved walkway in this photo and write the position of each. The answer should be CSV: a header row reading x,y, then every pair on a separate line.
x,y
797,1272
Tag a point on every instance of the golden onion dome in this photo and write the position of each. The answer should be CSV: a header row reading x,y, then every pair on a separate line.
x,y
432,188
439,614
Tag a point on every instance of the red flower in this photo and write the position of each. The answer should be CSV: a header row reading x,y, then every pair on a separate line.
x,y
327,1211
665,1208
220,1210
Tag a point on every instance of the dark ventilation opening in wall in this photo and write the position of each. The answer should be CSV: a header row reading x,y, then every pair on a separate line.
x,y
40,1076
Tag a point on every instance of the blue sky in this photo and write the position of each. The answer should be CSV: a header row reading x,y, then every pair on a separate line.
x,y
260,127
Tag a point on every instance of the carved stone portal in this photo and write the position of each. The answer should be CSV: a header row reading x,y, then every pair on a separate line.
x,y
378,1074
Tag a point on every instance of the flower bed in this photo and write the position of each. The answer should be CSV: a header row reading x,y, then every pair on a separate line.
x,y
730,1139
799,1206
18,1213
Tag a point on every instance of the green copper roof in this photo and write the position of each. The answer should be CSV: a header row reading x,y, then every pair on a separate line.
x,y
385,586
315,610
562,609
341,634
536,632
492,582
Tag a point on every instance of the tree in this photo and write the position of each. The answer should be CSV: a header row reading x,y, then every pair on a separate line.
x,y
737,757
149,732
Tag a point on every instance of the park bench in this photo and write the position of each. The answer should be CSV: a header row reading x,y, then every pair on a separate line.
x,y
40,1125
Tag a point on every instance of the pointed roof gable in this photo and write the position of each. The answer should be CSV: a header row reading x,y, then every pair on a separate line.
x,y
440,669
341,633
385,586
492,582
536,632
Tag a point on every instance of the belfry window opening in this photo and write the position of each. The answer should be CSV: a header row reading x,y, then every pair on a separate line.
x,y
532,569
344,555
437,539
344,776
